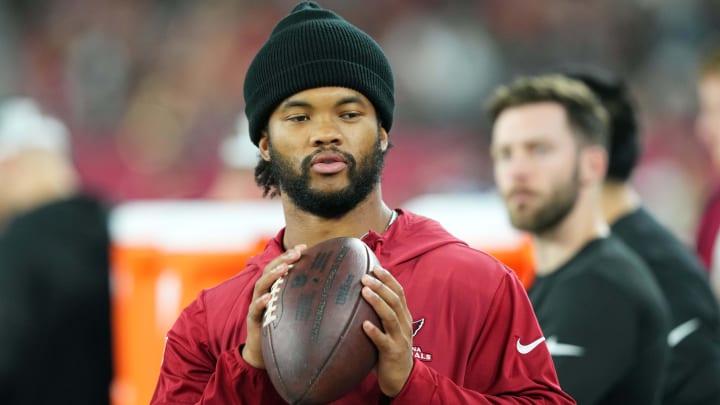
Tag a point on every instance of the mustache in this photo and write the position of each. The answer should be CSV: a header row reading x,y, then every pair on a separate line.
x,y
520,190
307,161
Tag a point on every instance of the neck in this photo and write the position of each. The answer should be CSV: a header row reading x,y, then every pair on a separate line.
x,y
618,200
39,177
583,224
303,227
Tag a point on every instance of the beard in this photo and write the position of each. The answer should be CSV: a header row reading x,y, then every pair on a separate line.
x,y
550,212
363,177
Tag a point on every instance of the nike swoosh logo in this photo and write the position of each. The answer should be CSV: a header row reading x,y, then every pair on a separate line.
x,y
525,349
563,349
680,332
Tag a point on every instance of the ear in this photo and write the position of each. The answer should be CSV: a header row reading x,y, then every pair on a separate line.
x,y
384,140
264,146
593,164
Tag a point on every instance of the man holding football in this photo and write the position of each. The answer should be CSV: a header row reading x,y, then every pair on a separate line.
x,y
456,324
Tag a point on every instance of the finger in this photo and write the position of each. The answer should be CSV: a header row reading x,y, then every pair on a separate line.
x,y
277,268
386,313
376,335
263,284
289,256
252,352
257,307
390,281
393,294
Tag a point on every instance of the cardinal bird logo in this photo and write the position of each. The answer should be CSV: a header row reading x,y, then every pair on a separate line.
x,y
417,325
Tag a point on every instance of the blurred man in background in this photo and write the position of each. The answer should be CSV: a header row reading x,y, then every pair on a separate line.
x,y
708,130
235,180
598,305
694,338
54,291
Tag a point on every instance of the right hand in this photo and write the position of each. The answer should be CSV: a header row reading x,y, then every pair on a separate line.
x,y
278,267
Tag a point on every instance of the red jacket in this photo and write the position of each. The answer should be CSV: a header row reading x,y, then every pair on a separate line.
x,y
472,320
709,231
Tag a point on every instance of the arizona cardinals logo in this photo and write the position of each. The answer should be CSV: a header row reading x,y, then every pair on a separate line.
x,y
418,352
417,325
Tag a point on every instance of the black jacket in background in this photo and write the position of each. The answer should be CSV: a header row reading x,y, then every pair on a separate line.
x,y
55,341
694,369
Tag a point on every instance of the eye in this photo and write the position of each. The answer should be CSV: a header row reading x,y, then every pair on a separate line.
x,y
349,115
298,118
540,149
500,154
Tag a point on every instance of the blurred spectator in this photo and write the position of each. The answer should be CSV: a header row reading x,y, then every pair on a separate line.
x,y
708,130
694,338
54,291
236,178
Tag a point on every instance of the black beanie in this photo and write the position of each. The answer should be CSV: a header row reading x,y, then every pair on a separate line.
x,y
313,47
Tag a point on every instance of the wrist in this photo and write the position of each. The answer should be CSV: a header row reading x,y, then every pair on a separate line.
x,y
251,358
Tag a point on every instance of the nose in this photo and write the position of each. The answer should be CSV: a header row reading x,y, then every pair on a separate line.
x,y
326,132
514,168
520,169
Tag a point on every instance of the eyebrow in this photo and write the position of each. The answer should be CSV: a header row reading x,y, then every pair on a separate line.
x,y
305,104
350,100
295,103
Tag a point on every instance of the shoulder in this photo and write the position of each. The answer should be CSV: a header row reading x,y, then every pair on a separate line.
x,y
66,218
679,273
431,245
609,267
461,268
464,259
655,244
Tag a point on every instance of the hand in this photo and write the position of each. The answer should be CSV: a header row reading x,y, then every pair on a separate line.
x,y
395,360
278,267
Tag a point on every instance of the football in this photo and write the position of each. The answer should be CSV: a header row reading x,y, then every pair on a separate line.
x,y
313,344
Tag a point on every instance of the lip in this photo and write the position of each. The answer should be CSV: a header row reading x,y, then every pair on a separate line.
x,y
327,158
328,163
520,195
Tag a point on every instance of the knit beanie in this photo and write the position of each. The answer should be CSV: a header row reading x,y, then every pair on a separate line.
x,y
314,47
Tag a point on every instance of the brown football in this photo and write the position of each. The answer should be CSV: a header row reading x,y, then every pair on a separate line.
x,y
313,344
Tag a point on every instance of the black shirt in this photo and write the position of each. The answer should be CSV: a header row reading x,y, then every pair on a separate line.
x,y
606,323
694,339
55,306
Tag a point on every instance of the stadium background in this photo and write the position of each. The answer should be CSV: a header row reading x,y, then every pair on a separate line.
x,y
151,88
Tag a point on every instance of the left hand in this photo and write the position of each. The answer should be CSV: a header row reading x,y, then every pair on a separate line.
x,y
395,360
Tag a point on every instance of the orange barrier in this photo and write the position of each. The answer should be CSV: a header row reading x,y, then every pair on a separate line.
x,y
157,273
152,290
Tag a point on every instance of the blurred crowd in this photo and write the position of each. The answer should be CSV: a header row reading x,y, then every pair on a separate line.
x,y
151,89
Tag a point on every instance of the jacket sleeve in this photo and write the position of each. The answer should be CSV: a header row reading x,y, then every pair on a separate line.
x,y
191,374
497,372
